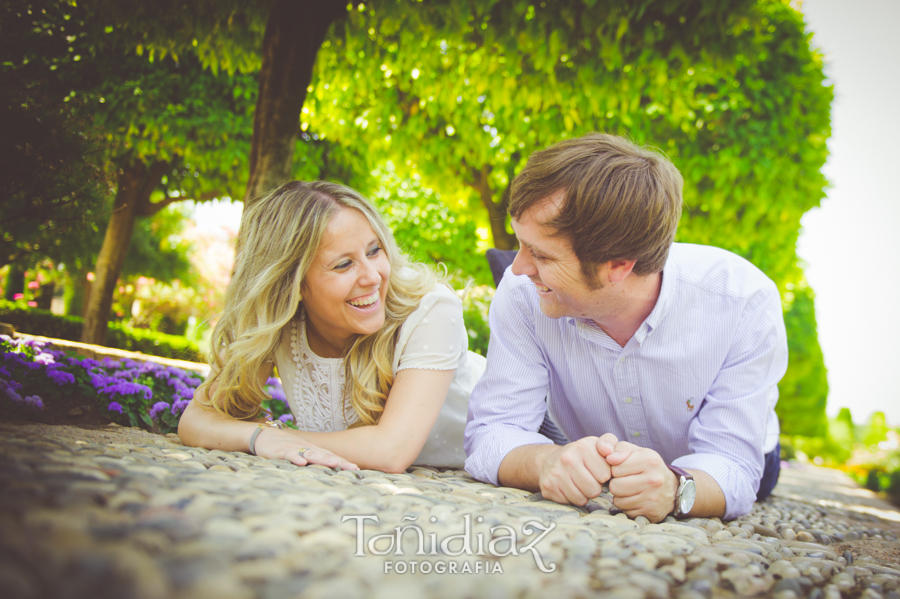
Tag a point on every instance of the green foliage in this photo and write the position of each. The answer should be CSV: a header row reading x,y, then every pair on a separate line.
x,y
476,305
224,34
842,429
46,324
878,470
159,249
803,391
53,182
426,228
876,430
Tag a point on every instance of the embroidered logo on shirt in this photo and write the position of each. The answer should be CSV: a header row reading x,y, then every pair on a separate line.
x,y
690,404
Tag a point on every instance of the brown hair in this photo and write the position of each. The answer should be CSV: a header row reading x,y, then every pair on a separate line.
x,y
621,201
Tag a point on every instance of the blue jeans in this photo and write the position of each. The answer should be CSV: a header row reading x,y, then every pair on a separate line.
x,y
770,473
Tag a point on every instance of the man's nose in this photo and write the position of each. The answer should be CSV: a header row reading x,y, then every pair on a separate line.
x,y
522,263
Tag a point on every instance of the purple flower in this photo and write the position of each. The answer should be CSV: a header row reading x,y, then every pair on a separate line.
x,y
7,388
177,383
162,374
14,385
179,405
129,374
114,406
60,377
286,418
158,407
125,388
4,372
33,402
185,393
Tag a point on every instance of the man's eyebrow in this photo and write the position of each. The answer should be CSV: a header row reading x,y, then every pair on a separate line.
x,y
537,250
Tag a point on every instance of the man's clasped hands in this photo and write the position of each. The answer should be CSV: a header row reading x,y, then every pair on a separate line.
x,y
639,480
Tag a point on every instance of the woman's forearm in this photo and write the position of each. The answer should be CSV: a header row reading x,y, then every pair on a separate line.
x,y
204,427
396,441
369,447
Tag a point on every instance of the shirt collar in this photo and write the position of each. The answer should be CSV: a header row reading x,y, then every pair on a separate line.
x,y
664,301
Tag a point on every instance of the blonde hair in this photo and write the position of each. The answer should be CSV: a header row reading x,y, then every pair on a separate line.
x,y
278,240
622,201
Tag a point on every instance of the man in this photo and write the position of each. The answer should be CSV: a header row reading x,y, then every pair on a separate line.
x,y
661,360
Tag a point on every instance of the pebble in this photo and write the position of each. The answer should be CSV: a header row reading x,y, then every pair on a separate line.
x,y
159,519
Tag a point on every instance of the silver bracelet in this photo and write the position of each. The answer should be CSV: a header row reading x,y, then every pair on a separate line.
x,y
259,429
253,437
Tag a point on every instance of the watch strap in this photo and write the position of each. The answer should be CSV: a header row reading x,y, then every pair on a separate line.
x,y
684,478
680,472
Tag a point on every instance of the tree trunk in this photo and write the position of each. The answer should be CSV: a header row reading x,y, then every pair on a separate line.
x,y
15,281
135,184
503,239
294,32
45,295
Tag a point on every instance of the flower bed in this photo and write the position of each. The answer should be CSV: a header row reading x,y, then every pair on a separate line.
x,y
38,382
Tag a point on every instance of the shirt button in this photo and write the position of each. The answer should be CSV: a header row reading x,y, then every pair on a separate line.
x,y
628,400
637,433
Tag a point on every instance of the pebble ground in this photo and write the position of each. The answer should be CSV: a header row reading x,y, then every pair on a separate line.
x,y
152,519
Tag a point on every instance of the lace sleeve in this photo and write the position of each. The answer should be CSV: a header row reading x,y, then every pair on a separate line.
x,y
437,339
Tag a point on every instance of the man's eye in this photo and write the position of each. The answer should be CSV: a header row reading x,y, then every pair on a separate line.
x,y
537,256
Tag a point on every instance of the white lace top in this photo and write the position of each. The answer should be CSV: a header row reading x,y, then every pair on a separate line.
x,y
432,338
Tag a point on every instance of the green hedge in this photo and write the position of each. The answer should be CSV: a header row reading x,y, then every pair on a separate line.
x,y
43,322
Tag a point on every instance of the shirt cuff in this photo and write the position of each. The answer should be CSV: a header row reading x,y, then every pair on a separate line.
x,y
734,481
487,449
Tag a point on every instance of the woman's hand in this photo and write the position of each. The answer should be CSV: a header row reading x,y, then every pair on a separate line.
x,y
277,444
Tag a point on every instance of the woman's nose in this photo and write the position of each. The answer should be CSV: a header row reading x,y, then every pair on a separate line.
x,y
369,274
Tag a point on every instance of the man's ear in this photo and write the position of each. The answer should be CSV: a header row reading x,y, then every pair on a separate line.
x,y
617,270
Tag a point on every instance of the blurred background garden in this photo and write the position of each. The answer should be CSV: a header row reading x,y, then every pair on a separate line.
x,y
130,131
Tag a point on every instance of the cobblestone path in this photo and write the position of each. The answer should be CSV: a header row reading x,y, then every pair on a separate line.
x,y
105,515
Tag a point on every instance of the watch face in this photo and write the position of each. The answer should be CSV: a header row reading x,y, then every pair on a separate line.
x,y
688,494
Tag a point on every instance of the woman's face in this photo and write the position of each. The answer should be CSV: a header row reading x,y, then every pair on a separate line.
x,y
344,290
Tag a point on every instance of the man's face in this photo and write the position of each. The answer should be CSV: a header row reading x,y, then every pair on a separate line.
x,y
550,262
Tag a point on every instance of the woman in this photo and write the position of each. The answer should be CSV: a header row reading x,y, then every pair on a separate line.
x,y
371,349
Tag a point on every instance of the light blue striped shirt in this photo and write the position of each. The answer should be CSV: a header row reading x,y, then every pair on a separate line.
x,y
697,382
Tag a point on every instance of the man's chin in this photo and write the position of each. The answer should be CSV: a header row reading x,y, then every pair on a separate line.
x,y
550,309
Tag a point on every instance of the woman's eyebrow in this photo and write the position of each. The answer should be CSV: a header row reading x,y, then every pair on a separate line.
x,y
339,257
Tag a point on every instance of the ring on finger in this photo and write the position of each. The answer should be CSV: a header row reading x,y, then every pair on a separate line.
x,y
303,450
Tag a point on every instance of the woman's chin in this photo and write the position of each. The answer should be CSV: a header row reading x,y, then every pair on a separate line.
x,y
372,324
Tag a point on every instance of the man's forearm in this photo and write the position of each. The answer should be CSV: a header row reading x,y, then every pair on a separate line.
x,y
710,501
521,468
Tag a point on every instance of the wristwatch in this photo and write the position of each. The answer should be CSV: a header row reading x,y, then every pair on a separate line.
x,y
686,493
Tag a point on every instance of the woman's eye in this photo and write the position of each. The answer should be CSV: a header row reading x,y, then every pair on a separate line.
x,y
343,265
374,251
